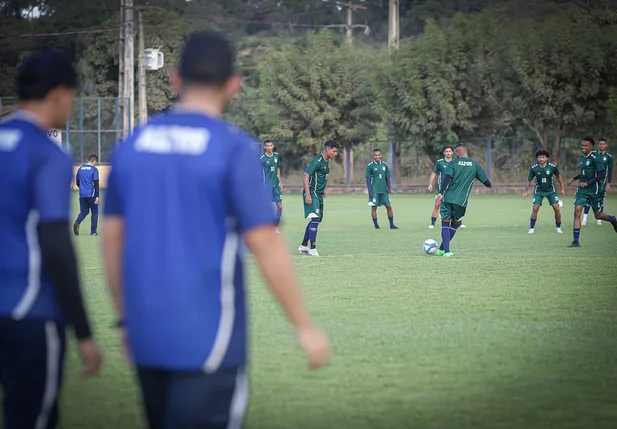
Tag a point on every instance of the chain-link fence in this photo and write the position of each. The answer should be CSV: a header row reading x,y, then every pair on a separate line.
x,y
95,127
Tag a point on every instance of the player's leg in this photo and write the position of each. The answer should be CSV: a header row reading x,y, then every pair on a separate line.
x,y
384,200
458,212
277,198
580,200
31,366
446,214
153,384
84,209
208,401
310,212
586,213
553,200
94,218
599,221
374,216
537,203
434,214
595,206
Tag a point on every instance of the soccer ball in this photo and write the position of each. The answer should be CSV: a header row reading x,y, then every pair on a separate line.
x,y
430,247
560,203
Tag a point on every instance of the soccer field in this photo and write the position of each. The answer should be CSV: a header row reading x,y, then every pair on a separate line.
x,y
514,331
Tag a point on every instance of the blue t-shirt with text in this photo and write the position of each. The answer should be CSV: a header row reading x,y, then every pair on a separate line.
x,y
86,175
35,179
183,274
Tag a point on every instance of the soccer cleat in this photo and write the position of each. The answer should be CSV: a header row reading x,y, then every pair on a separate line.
x,y
394,227
531,231
303,249
448,255
440,253
94,233
376,226
574,244
599,222
462,226
614,225
313,252
431,226
584,222
75,229
558,231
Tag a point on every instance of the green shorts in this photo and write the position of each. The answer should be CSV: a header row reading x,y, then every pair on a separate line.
x,y
380,199
452,212
277,197
315,209
550,196
582,199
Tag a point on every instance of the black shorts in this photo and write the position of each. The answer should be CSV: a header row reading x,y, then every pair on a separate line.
x,y
191,400
31,366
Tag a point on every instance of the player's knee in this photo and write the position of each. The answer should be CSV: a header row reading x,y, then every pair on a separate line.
x,y
597,215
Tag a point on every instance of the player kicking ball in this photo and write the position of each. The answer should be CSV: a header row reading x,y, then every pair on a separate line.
x,y
438,173
454,191
315,180
543,171
378,184
589,191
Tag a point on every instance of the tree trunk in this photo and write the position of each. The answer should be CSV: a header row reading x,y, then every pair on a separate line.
x,y
557,144
397,151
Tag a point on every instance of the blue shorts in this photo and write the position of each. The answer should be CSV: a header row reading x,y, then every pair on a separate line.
x,y
186,399
31,362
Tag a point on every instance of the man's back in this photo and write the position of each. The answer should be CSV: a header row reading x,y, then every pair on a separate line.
x,y
464,171
31,166
186,185
86,175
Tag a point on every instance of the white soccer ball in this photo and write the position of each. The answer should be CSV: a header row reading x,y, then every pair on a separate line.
x,y
430,247
560,203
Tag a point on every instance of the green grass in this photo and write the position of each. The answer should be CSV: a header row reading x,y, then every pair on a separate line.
x,y
514,331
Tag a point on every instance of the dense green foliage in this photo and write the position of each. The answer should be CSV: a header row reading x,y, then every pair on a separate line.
x,y
538,70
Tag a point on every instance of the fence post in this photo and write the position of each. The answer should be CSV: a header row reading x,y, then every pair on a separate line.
x,y
489,142
116,119
98,123
80,121
347,164
417,164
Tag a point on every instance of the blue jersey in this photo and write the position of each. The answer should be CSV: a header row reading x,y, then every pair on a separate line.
x,y
86,175
35,179
183,287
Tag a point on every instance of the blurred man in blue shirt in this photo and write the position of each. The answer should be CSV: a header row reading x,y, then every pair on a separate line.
x,y
87,180
39,285
176,275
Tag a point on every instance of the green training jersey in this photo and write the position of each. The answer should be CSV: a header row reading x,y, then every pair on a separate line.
x,y
378,174
318,169
464,171
270,166
607,159
544,177
591,165
440,168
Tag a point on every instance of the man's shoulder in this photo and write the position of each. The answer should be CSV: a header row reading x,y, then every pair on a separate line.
x,y
535,166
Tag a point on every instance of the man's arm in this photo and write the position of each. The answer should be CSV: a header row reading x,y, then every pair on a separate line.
x,y
278,173
601,175
431,181
388,185
368,186
77,178
113,245
527,187
52,200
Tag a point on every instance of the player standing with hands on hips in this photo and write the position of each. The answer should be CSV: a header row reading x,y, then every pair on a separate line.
x,y
379,187
179,293
40,294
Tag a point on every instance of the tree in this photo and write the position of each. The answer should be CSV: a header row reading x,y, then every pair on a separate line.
x,y
552,75
319,90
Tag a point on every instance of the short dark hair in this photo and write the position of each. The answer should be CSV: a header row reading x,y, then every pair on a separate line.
x,y
447,147
268,141
332,143
602,139
460,145
93,157
590,140
376,150
207,59
544,152
42,72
